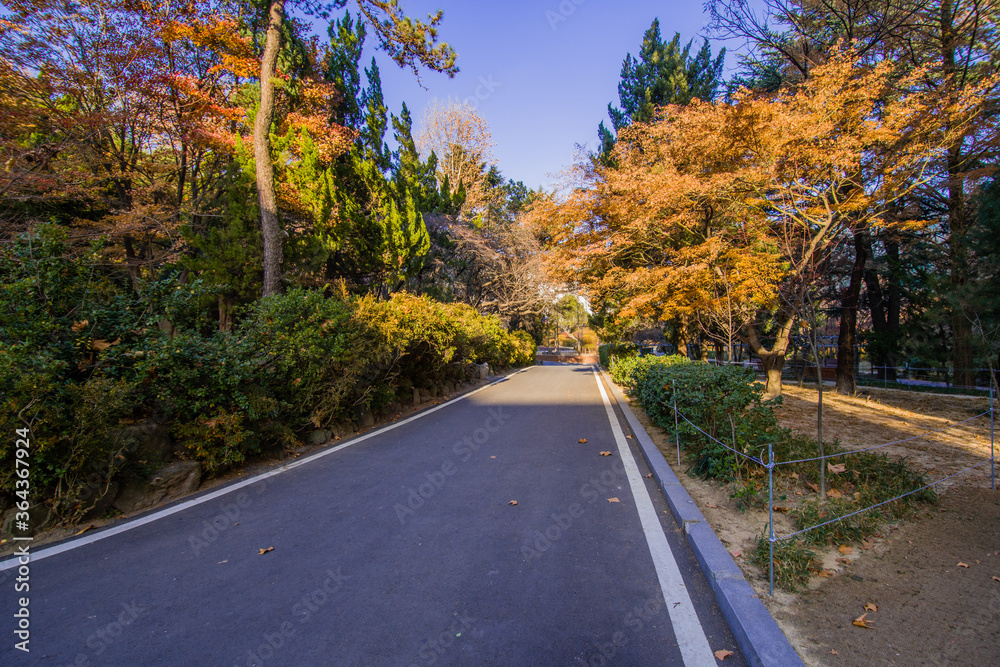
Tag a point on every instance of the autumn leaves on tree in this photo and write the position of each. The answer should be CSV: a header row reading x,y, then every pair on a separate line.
x,y
726,214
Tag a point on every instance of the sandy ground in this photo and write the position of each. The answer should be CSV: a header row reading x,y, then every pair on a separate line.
x,y
930,610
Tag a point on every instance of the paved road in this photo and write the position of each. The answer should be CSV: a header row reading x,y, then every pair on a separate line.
x,y
400,549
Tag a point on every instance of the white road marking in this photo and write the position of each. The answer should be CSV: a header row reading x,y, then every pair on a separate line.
x,y
155,516
690,635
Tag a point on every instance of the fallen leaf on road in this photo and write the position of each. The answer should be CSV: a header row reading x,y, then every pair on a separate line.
x,y
582,441
649,475
832,652
846,550
963,565
834,493
871,607
629,437
605,453
513,502
866,545
827,573
736,554
996,578
613,500
844,561
834,469
492,457
722,655
264,551
861,622
92,526
715,507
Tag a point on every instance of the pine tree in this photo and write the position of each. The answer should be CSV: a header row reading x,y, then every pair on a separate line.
x,y
664,73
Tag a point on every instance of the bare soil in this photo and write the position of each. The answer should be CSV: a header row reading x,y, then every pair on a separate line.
x,y
930,609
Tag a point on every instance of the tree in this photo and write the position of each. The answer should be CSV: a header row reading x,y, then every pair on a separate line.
x,y
460,140
664,73
410,43
774,176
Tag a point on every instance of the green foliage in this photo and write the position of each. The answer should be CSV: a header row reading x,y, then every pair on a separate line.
x,y
630,370
609,352
792,561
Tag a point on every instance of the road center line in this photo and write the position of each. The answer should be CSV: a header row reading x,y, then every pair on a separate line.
x,y
690,635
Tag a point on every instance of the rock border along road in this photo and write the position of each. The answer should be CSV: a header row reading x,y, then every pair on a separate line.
x,y
401,547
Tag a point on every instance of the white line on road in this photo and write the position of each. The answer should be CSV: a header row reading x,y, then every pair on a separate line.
x,y
690,635
174,509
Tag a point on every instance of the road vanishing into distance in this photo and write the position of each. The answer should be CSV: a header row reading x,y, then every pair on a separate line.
x,y
400,547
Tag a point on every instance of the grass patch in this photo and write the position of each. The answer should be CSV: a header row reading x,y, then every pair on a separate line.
x,y
792,561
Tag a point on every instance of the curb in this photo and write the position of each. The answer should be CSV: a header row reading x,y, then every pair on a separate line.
x,y
760,639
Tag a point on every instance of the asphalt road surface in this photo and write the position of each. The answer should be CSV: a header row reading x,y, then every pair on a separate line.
x,y
400,548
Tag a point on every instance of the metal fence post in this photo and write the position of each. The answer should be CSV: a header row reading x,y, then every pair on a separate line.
x,y
770,513
677,425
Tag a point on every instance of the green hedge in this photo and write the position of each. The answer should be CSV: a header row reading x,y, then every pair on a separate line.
x,y
611,351
81,357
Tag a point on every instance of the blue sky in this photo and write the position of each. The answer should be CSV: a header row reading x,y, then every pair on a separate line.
x,y
541,72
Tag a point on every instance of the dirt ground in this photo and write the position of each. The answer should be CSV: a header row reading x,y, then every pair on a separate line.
x,y
930,609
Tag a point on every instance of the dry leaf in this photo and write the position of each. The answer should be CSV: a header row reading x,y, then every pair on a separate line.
x,y
844,561
722,655
834,469
613,500
996,578
871,607
629,437
780,508
832,652
799,493
812,486
582,441
264,551
963,565
79,326
846,550
834,493
861,622
605,453
736,554
826,573
101,344
92,526
715,507
649,475
513,502
866,545
492,457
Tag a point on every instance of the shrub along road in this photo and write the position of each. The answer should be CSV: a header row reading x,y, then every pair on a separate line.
x,y
403,547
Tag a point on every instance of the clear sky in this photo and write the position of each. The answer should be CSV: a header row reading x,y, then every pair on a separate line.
x,y
541,72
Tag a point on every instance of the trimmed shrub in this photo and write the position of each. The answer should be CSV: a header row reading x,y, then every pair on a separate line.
x,y
609,352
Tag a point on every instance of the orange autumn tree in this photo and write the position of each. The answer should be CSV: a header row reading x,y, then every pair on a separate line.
x,y
772,181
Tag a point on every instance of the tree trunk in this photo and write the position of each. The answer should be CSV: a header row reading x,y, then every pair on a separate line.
x,y
773,360
847,340
225,312
269,223
884,308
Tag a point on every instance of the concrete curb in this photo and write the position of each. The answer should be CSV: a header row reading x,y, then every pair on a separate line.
x,y
760,639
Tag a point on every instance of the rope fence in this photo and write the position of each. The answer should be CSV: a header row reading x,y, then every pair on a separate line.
x,y
771,465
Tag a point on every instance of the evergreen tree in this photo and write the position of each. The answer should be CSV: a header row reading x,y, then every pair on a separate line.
x,y
664,73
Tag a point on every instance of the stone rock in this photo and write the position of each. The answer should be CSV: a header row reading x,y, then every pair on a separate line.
x,y
483,370
176,480
448,388
433,391
38,519
367,419
416,396
148,441
319,437
341,430
98,498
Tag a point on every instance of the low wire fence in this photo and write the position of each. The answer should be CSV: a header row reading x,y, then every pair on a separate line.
x,y
771,464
